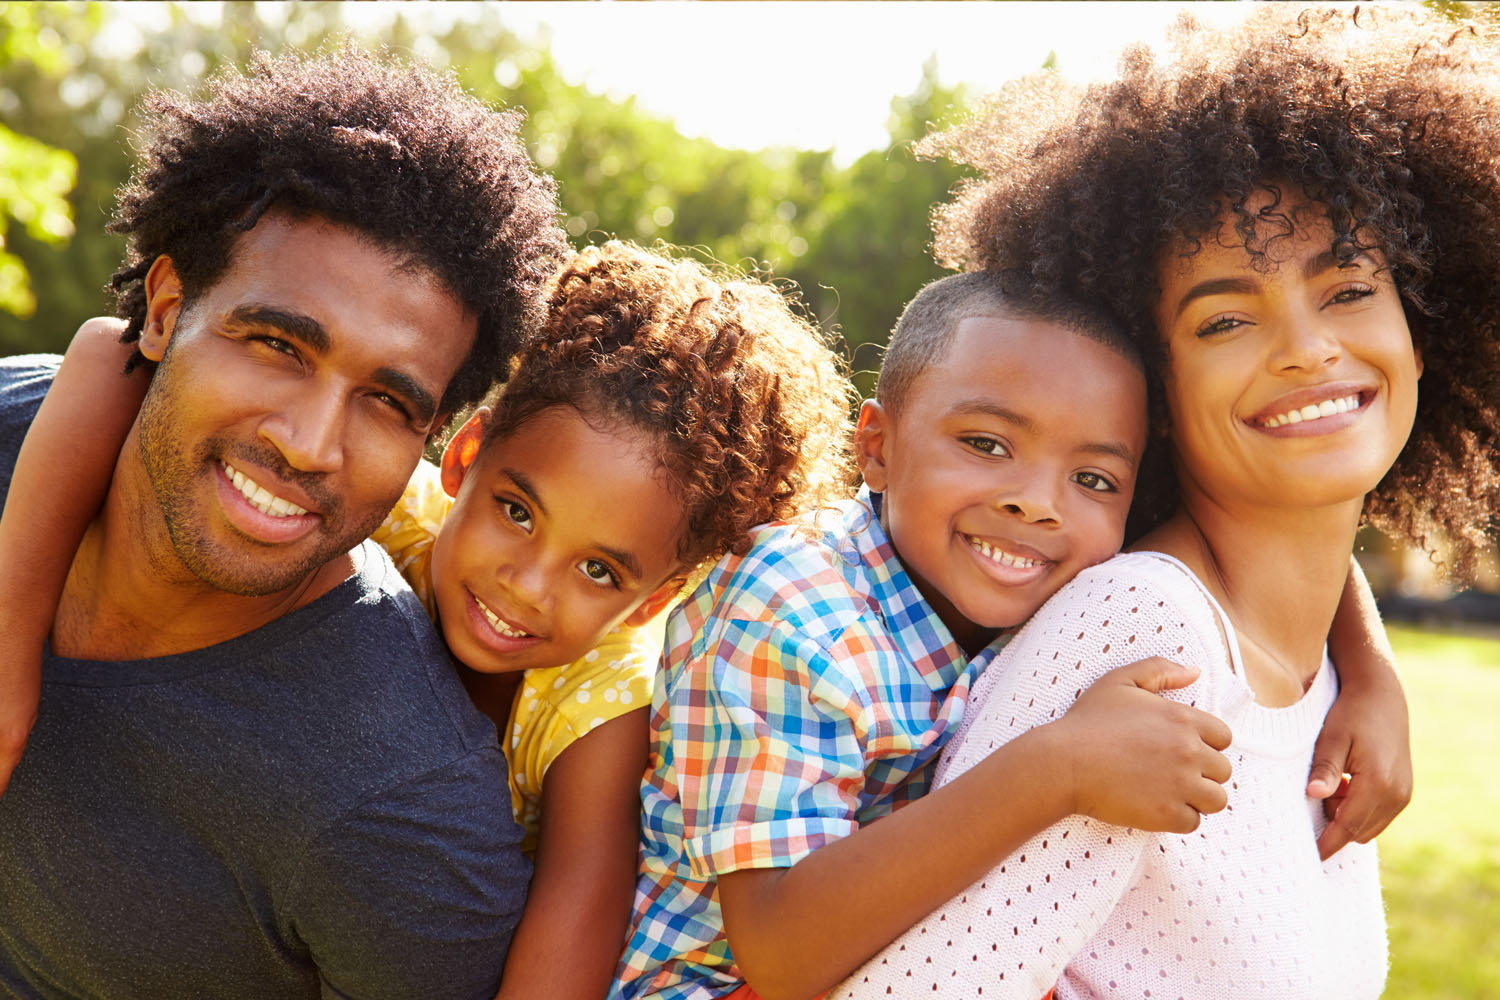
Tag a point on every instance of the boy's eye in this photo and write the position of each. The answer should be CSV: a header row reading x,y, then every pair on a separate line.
x,y
987,446
515,513
1095,482
598,572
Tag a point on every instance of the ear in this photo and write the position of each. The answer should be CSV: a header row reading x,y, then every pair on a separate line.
x,y
463,448
659,600
163,306
872,444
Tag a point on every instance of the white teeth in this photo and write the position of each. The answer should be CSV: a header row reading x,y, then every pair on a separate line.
x,y
258,496
1314,411
1001,556
499,624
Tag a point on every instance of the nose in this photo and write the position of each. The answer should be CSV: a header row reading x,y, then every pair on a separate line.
x,y
528,580
1305,342
1031,495
308,428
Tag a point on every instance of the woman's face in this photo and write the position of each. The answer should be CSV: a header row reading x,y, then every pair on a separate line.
x,y
1294,385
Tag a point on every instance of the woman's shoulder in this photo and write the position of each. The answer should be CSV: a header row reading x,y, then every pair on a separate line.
x,y
1152,584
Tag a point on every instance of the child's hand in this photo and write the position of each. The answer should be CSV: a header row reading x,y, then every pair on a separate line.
x,y
20,689
1365,734
1139,760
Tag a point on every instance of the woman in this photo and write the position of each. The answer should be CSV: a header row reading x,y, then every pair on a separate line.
x,y
1302,222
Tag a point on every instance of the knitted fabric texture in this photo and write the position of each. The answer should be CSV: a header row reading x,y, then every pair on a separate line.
x,y
1242,907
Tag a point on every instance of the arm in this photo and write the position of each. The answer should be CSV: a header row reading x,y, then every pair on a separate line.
x,y
1015,927
1366,732
61,476
796,931
570,936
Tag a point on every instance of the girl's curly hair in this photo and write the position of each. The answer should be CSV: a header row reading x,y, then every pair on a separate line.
x,y
747,402
395,151
1388,118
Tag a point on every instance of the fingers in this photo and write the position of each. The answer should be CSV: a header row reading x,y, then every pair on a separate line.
x,y
1330,760
1154,674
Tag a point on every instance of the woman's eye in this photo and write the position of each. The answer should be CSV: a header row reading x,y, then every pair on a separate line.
x,y
516,513
598,572
1094,481
1219,324
1351,293
986,445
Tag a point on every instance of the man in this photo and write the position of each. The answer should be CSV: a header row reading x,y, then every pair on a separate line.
x,y
254,771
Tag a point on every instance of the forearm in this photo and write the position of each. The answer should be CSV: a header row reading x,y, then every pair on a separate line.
x,y
797,931
1357,641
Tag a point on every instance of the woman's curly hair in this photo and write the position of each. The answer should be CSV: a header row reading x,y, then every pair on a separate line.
x,y
395,151
1388,118
746,402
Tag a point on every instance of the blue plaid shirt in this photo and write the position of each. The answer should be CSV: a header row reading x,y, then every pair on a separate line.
x,y
806,690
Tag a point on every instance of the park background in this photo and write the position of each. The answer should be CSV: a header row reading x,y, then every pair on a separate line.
x,y
779,167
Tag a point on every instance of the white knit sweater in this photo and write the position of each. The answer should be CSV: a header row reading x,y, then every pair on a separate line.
x,y
1240,908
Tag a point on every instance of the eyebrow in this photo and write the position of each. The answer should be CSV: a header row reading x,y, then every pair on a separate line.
x,y
627,562
984,406
312,335
1325,261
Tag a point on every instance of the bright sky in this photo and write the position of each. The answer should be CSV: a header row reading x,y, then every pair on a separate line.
x,y
818,75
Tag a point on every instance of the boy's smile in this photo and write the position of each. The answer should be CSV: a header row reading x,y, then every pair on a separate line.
x,y
1008,468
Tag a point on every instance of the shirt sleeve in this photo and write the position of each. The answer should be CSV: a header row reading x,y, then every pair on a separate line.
x,y
416,892
769,744
408,532
1012,933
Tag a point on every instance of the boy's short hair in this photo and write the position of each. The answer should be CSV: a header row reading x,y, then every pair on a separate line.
x,y
395,151
930,320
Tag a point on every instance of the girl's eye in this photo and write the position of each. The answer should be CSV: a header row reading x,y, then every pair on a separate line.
x,y
598,572
1095,482
1219,324
515,513
987,446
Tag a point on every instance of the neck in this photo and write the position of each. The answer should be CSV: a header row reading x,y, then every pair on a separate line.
x,y
129,596
1278,573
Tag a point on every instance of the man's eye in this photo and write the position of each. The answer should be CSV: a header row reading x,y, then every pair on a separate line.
x,y
392,402
598,572
277,344
1094,481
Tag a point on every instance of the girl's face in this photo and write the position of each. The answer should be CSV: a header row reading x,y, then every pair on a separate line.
x,y
560,531
1294,385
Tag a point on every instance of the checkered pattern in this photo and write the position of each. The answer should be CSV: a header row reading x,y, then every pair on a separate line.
x,y
807,690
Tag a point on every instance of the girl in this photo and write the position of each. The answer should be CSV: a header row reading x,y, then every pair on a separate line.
x,y
1320,235
660,414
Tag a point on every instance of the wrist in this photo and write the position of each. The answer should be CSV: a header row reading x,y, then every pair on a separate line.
x,y
1047,754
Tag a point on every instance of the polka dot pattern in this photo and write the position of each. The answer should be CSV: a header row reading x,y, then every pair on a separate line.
x,y
1242,907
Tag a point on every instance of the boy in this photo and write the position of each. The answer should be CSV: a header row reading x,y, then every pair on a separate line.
x,y
811,683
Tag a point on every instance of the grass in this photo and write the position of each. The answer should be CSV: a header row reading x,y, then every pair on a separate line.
x,y
1440,860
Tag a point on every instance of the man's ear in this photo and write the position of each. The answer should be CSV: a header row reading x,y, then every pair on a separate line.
x,y
463,448
163,306
660,599
872,444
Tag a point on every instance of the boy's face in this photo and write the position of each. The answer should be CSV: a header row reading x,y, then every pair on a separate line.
x,y
1008,469
560,531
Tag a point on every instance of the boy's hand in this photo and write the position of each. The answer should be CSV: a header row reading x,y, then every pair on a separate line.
x,y
1366,736
1139,760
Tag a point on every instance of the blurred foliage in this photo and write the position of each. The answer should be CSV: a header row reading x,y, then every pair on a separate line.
x,y
853,239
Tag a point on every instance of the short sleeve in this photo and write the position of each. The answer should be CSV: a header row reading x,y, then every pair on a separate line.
x,y
1012,933
555,707
415,892
770,757
408,532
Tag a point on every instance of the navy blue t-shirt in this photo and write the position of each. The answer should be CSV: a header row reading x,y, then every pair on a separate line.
x,y
312,809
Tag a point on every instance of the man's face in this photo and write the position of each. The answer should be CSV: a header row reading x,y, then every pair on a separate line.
x,y
292,401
